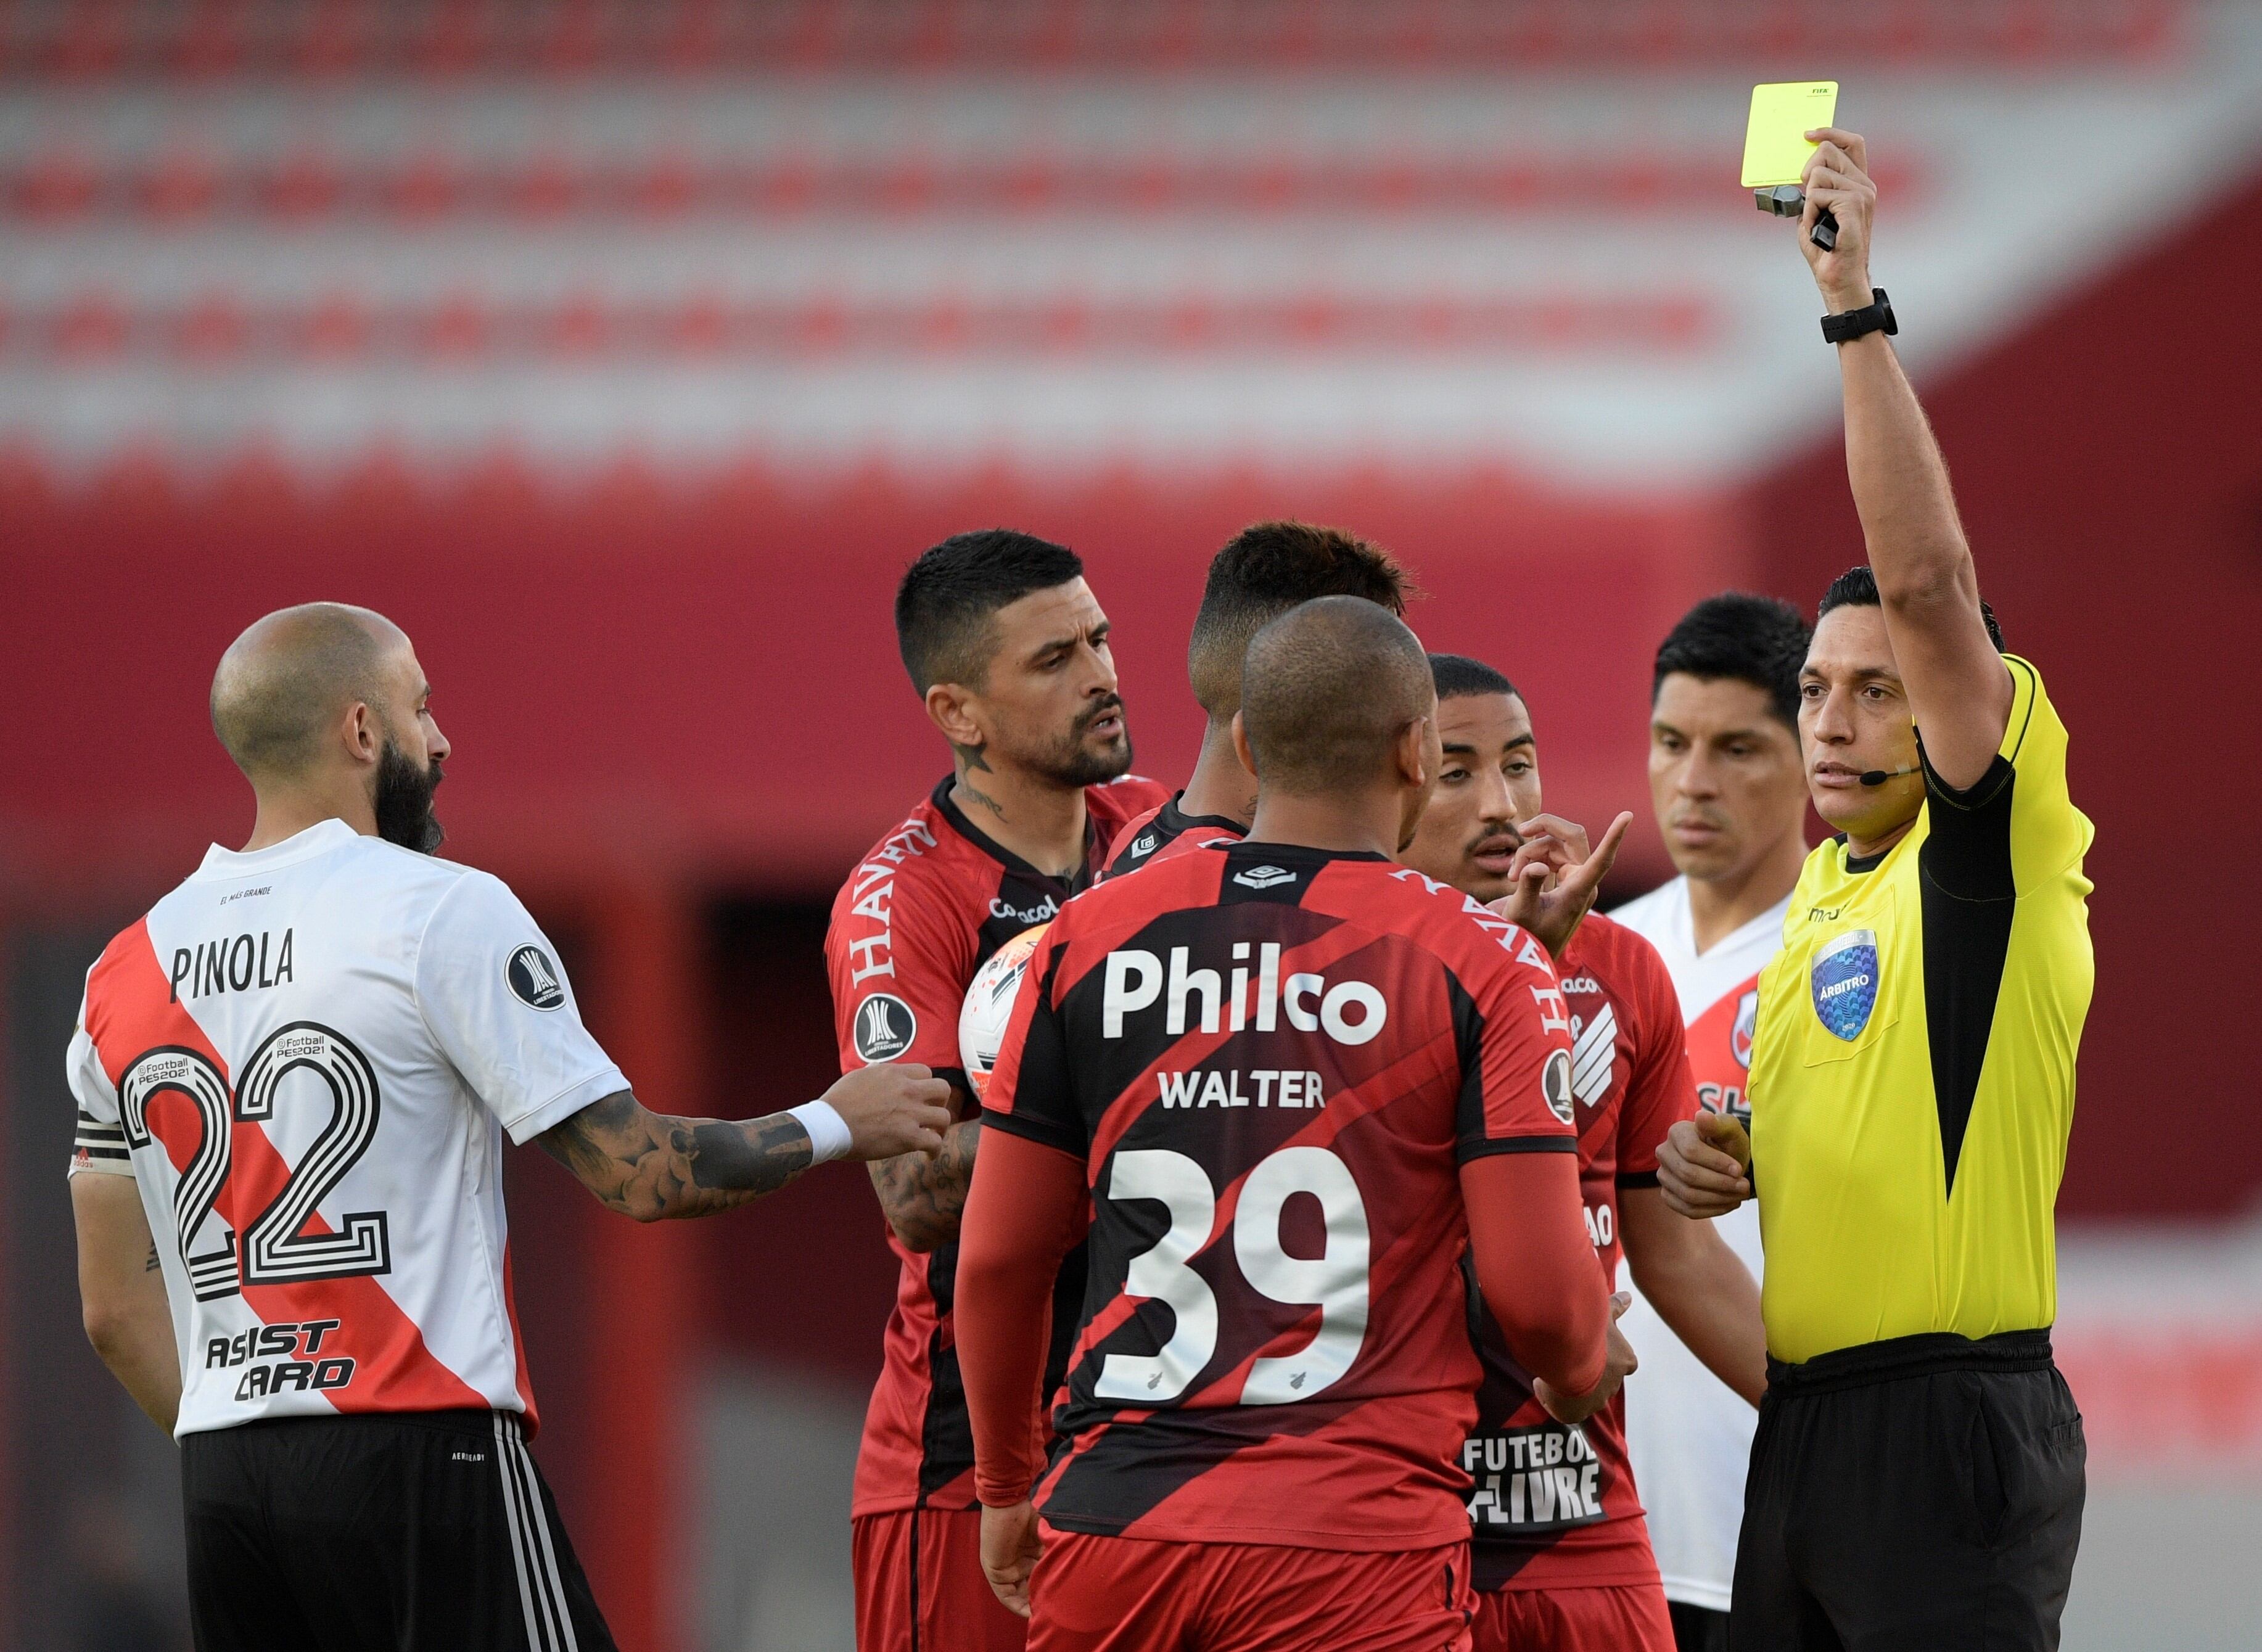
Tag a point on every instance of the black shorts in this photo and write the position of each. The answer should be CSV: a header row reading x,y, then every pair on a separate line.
x,y
404,1529
1924,1491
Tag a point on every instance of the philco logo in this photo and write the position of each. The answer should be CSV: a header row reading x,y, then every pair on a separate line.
x,y
1555,1085
1264,877
885,1028
534,979
1348,1011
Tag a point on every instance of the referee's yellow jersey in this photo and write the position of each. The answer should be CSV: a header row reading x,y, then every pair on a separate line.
x,y
1911,1080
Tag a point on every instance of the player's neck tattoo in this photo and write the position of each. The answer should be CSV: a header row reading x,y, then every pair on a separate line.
x,y
970,758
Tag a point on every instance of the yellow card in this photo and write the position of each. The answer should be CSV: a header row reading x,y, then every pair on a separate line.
x,y
1775,144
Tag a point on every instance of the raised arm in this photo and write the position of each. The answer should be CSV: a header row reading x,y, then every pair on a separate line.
x,y
122,1293
1958,689
653,1167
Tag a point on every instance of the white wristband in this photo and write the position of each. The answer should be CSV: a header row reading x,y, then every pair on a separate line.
x,y
828,1131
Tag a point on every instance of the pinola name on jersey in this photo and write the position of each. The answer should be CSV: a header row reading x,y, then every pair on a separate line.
x,y
237,965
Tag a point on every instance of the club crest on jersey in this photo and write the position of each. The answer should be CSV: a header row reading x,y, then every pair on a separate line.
x,y
534,979
1264,877
1748,1025
885,1028
1844,983
1555,1085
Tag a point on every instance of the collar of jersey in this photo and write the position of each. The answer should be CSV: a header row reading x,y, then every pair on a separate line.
x,y
1246,850
318,838
999,852
1178,822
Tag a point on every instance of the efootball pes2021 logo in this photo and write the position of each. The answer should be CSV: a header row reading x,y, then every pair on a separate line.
x,y
885,1028
1844,983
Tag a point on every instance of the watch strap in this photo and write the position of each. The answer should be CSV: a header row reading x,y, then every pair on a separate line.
x,y
1877,316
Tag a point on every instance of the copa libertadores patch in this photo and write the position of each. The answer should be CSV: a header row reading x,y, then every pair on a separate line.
x,y
534,979
1555,1085
885,1026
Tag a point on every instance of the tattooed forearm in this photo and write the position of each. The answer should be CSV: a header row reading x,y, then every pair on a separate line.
x,y
924,1196
654,1165
152,1264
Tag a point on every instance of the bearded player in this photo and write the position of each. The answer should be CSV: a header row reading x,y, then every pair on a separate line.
x,y
1288,1082
1008,648
1262,572
1730,791
293,1078
1561,1555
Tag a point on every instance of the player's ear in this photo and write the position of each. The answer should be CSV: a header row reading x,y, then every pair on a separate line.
x,y
949,707
363,735
1412,751
1241,747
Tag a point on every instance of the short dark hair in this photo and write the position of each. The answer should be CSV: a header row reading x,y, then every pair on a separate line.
x,y
1740,638
1458,676
1331,683
1262,572
1857,587
946,598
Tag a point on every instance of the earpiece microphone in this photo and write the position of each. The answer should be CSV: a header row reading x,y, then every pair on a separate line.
x,y
1878,777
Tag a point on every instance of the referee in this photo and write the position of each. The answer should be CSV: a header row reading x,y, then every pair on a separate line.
x,y
1916,1479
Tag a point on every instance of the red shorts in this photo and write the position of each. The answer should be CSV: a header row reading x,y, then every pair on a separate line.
x,y
1612,1618
1128,1594
920,1588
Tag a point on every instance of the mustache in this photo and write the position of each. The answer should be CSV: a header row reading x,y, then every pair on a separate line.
x,y
1112,704
1500,835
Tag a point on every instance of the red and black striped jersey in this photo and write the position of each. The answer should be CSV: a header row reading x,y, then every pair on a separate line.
x,y
1166,831
921,913
1272,1062
1555,1507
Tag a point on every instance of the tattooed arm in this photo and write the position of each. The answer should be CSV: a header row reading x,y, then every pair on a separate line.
x,y
924,1196
654,1165
122,1293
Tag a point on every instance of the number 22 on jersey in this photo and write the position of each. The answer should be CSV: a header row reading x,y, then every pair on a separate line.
x,y
274,1248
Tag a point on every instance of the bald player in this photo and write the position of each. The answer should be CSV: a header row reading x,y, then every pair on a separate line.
x,y
1287,1083
294,1079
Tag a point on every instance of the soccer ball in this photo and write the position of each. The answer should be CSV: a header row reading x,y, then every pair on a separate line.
x,y
990,1005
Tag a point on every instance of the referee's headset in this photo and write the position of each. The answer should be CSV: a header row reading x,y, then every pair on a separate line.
x,y
1878,777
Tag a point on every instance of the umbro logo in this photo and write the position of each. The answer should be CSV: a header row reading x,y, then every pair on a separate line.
x,y
1145,845
1264,877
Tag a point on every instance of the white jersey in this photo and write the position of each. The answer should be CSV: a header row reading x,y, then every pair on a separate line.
x,y
1688,1433
306,1057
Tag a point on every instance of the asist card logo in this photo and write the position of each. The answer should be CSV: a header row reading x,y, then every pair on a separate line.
x,y
534,980
1844,983
885,1028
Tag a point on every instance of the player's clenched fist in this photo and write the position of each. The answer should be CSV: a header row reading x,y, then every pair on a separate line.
x,y
891,1108
1704,1166
1010,1549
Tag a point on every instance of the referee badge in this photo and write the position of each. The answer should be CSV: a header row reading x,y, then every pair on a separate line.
x,y
1844,982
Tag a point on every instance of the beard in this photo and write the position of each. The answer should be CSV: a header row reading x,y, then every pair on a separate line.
x,y
1071,762
403,801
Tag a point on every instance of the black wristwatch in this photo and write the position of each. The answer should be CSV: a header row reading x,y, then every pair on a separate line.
x,y
1876,316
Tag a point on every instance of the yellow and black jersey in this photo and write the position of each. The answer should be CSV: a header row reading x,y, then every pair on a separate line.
x,y
1912,1068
